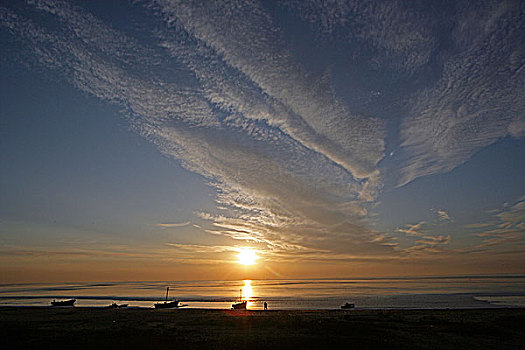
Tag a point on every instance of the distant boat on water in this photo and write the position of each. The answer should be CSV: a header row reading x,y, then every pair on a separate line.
x,y
167,304
241,305
69,302
348,306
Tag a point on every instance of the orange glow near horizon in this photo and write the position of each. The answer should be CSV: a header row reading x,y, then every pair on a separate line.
x,y
247,256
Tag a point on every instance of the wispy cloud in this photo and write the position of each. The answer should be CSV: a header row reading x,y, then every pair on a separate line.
x,y
215,86
506,229
421,240
473,95
443,215
393,28
305,105
412,229
477,100
174,224
294,169
71,253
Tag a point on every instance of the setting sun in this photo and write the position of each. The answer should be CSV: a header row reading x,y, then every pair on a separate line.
x,y
247,256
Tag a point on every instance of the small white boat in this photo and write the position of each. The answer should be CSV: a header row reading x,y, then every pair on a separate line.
x,y
117,306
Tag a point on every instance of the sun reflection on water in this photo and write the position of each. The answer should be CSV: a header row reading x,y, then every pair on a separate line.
x,y
247,292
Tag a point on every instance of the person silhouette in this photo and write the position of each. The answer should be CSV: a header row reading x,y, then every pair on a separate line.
x,y
265,305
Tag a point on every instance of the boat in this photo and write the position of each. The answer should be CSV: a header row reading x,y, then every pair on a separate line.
x,y
69,302
167,304
241,305
117,306
348,306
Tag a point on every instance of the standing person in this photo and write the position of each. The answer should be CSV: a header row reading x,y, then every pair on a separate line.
x,y
265,305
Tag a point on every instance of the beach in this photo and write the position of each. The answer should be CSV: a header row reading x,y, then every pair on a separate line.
x,y
88,328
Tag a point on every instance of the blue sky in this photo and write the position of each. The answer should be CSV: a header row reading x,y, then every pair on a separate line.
x,y
340,138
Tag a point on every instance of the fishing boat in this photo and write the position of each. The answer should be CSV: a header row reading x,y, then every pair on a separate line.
x,y
167,304
241,305
69,302
348,306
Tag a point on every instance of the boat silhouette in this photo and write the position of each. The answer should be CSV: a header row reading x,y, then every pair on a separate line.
x,y
167,304
241,305
69,302
348,306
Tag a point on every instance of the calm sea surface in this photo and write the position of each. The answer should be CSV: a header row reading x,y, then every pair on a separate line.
x,y
421,292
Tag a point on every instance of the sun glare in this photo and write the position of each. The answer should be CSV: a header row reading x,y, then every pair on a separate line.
x,y
247,256
247,290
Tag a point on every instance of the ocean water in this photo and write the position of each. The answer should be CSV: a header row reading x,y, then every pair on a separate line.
x,y
372,293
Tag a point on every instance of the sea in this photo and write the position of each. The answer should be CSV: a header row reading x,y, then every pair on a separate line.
x,y
443,292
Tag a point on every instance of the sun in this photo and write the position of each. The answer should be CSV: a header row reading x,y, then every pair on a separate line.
x,y
247,256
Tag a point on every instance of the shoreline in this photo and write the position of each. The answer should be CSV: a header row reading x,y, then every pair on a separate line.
x,y
181,308
89,327
404,302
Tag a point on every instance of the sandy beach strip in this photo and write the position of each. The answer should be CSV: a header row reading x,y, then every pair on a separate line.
x,y
95,328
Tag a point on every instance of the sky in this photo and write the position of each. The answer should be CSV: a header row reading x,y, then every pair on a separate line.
x,y
156,139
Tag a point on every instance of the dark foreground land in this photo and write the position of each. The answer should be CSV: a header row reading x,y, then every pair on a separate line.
x,y
89,328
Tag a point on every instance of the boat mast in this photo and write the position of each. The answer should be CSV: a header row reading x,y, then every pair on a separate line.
x,y
167,290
